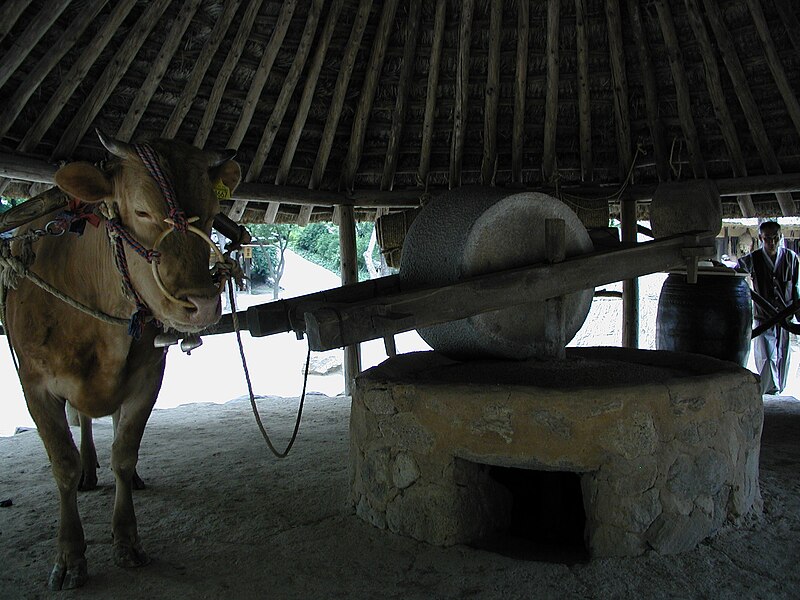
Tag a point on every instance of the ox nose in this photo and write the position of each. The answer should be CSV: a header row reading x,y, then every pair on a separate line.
x,y
207,309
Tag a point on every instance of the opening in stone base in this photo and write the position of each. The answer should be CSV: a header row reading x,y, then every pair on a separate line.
x,y
547,520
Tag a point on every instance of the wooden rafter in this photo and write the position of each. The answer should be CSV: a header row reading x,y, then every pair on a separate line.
x,y
111,76
367,95
263,71
223,76
24,43
745,96
681,87
461,93
198,72
282,103
790,20
584,96
650,90
339,91
616,50
157,70
23,92
774,62
432,89
492,94
551,95
71,81
717,94
398,116
9,14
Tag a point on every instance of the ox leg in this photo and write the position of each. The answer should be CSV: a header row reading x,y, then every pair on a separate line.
x,y
133,415
89,462
137,482
70,565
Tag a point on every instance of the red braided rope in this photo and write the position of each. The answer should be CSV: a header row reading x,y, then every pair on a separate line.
x,y
150,160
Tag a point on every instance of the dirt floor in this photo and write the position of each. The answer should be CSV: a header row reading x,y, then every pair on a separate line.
x,y
222,518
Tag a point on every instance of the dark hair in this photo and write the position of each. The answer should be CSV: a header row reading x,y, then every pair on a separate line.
x,y
774,225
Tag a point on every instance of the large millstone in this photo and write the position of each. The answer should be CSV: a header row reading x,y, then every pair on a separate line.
x,y
475,230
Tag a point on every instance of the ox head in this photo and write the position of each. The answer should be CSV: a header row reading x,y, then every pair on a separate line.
x,y
180,292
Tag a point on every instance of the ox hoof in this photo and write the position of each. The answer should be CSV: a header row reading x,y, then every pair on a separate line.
x,y
130,556
136,482
88,481
68,578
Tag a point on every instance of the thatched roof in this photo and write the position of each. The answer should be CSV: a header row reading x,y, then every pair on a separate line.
x,y
378,103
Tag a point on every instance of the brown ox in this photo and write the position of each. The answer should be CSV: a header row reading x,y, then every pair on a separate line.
x,y
68,356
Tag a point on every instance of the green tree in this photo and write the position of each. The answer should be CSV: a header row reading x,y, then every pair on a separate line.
x,y
319,243
269,258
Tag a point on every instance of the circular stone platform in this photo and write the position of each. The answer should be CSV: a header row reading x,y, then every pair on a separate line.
x,y
666,444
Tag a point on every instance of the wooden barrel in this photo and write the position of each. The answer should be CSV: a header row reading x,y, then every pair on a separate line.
x,y
713,316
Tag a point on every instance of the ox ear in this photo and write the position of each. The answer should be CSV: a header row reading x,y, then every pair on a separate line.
x,y
84,181
229,172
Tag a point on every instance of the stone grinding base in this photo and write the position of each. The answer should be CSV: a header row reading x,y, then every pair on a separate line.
x,y
666,444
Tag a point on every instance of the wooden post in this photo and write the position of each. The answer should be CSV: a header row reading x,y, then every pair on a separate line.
x,y
347,250
555,239
630,287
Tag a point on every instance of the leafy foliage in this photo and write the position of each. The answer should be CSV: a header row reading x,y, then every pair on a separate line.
x,y
319,243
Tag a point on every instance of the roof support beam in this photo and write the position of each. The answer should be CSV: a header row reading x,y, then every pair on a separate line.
x,y
681,87
791,22
520,90
430,97
10,13
489,162
461,93
584,96
551,95
616,50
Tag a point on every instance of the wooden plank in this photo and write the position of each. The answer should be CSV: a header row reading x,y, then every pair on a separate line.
x,y
619,79
461,93
681,87
198,72
398,116
718,100
630,286
13,106
775,64
745,97
430,97
226,70
367,95
24,43
157,70
349,269
304,216
492,94
551,94
334,326
10,12
520,91
265,67
790,21
301,113
650,90
339,91
584,96
71,81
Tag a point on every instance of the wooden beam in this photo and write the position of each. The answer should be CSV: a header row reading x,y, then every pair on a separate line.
x,y
339,91
48,201
281,104
13,106
650,90
301,114
367,95
584,96
10,13
198,72
461,93
551,95
492,94
112,75
774,63
226,70
748,103
264,68
681,87
717,94
304,216
398,116
430,97
71,81
24,43
349,268
157,70
619,79
630,286
790,21
344,324
520,91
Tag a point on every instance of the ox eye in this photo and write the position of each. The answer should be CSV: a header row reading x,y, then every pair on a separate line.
x,y
142,214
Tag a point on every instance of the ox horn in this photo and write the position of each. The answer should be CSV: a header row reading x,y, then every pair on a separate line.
x,y
215,159
115,147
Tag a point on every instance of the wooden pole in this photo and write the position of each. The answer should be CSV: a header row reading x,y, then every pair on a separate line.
x,y
630,287
347,250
